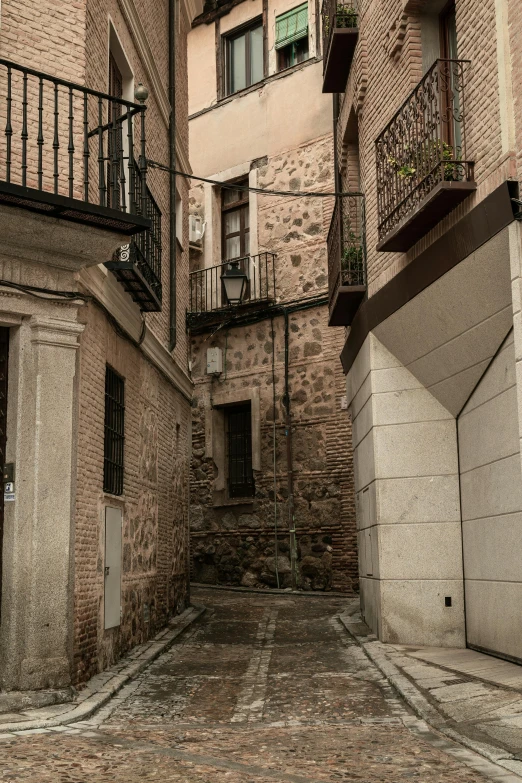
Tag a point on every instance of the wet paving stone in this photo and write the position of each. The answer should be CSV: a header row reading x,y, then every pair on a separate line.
x,y
262,689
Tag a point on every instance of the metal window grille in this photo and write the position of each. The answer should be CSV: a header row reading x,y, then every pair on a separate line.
x,y
114,432
239,446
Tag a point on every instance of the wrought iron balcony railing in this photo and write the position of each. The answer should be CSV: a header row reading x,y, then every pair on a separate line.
x,y
68,151
340,19
346,259
137,265
208,299
423,171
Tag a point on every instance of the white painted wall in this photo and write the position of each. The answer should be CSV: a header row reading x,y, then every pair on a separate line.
x,y
269,120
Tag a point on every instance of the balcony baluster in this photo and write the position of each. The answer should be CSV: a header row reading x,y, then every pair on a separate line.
x,y
346,259
423,171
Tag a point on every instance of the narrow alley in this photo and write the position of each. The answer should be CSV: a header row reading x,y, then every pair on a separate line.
x,y
261,688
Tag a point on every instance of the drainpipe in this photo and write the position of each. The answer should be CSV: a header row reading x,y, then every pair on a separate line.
x,y
172,165
289,462
337,174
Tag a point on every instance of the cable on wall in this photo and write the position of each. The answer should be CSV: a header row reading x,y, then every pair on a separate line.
x,y
247,188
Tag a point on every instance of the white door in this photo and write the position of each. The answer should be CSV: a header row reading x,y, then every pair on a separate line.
x,y
112,591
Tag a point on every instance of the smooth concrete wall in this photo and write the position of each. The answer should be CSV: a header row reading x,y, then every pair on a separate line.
x,y
447,335
491,494
408,516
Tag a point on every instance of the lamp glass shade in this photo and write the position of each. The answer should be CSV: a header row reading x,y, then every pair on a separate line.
x,y
234,281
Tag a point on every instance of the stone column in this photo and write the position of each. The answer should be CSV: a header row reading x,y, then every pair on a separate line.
x,y
408,510
38,579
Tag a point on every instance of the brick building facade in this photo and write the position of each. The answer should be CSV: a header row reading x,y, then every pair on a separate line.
x,y
97,388
428,102
279,362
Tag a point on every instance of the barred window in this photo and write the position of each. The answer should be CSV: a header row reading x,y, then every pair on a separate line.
x,y
239,448
114,432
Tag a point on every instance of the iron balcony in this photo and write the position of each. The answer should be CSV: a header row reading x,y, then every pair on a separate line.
x,y
208,303
79,155
340,20
423,171
61,156
346,259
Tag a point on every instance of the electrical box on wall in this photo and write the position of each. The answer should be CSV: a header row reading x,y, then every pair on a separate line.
x,y
214,361
196,229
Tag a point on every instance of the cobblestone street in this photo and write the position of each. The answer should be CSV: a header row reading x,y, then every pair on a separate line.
x,y
261,688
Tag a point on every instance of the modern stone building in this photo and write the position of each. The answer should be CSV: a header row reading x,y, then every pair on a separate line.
x,y
428,96
95,389
272,488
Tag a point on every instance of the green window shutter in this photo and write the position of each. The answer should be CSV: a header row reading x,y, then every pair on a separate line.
x,y
292,26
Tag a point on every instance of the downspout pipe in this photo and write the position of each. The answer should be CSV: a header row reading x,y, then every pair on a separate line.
x,y
337,173
290,460
172,164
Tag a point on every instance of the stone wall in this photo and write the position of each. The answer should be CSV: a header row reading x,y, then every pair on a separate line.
x,y
71,42
154,500
236,544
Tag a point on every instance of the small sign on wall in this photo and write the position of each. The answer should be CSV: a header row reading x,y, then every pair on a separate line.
x,y
9,491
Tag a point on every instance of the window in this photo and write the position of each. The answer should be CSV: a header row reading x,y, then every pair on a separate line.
x,y
451,103
292,37
235,222
448,33
239,451
115,137
114,432
244,58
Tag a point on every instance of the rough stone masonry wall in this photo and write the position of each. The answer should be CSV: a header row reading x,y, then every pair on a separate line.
x,y
154,501
235,544
387,66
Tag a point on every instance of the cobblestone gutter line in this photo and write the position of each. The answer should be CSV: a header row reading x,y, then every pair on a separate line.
x,y
101,688
251,700
378,653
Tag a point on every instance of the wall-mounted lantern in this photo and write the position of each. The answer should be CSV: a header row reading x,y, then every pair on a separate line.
x,y
235,283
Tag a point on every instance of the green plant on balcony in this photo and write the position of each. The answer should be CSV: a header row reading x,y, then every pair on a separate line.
x,y
346,16
427,155
352,260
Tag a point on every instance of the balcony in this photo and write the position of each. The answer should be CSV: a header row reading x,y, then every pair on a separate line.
x,y
422,168
137,264
61,156
346,259
208,303
340,19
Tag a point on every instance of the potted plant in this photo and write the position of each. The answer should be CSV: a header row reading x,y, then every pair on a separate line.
x,y
352,261
346,16
435,150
